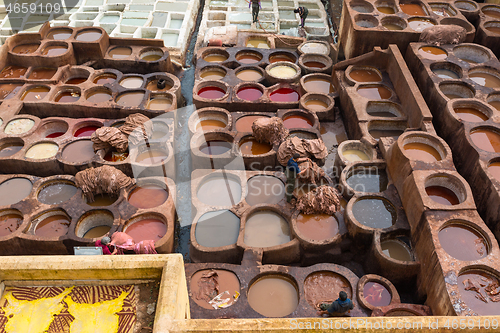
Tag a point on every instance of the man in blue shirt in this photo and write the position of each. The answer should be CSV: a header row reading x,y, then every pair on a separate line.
x,y
338,307
292,169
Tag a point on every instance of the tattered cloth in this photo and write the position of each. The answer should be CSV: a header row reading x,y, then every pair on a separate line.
x,y
137,127
322,200
208,286
314,148
443,34
105,179
107,137
310,172
269,130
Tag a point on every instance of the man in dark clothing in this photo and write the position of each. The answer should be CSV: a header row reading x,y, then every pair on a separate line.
x,y
303,12
292,169
255,9
338,307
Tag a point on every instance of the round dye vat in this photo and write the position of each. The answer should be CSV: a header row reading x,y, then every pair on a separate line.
x,y
412,9
132,82
376,294
219,191
477,290
54,50
19,126
470,114
101,200
56,192
375,213
249,75
10,149
386,10
390,26
42,73
324,287
35,94
78,152
354,155
219,228
316,105
203,283
13,72
85,131
314,64
215,58
215,147
445,73
9,90
493,168
152,57
273,296
146,229
159,103
130,100
265,229
317,227
250,146
99,97
88,36
42,151
283,72
418,24
284,95
59,34
432,53
76,80
120,52
396,250
488,140
368,179
14,190
491,13
151,156
264,189
153,85
214,75
485,79
53,226
249,93
379,92
97,232
377,134
493,29
9,223
442,195
297,121
210,124
148,196
312,47
280,57
25,48
113,156
248,58
211,92
463,242
244,124
67,97
422,152
105,78
318,85
365,75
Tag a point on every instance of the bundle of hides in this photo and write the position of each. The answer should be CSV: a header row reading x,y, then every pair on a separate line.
x,y
314,148
105,179
310,172
137,127
106,137
322,200
443,34
269,130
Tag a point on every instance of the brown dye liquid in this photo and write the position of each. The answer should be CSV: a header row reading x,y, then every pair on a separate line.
x,y
53,226
412,9
159,103
88,36
390,26
481,301
376,294
13,72
495,104
78,152
432,53
250,146
442,195
54,50
9,223
215,58
212,75
495,30
146,229
152,57
215,147
249,75
105,78
9,150
210,124
131,100
377,134
97,232
273,296
9,90
396,250
317,227
67,97
463,243
76,80
486,140
492,13
364,75
494,169
470,114
324,287
35,94
280,57
379,92
42,73
386,10
266,228
317,85
314,64
120,52
56,193
297,121
264,189
244,124
203,291
113,156
14,190
485,79
148,196
25,48
102,200
422,152
316,105
153,86
59,34
151,156
248,58
99,97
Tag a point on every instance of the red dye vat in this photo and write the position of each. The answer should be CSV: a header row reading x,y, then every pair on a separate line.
x,y
85,131
249,93
211,92
54,135
284,95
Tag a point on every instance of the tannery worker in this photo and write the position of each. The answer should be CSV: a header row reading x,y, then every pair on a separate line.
x,y
255,9
338,307
303,12
292,169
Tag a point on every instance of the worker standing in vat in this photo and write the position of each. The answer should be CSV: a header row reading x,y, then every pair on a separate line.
x,y
255,9
292,169
303,12
338,307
